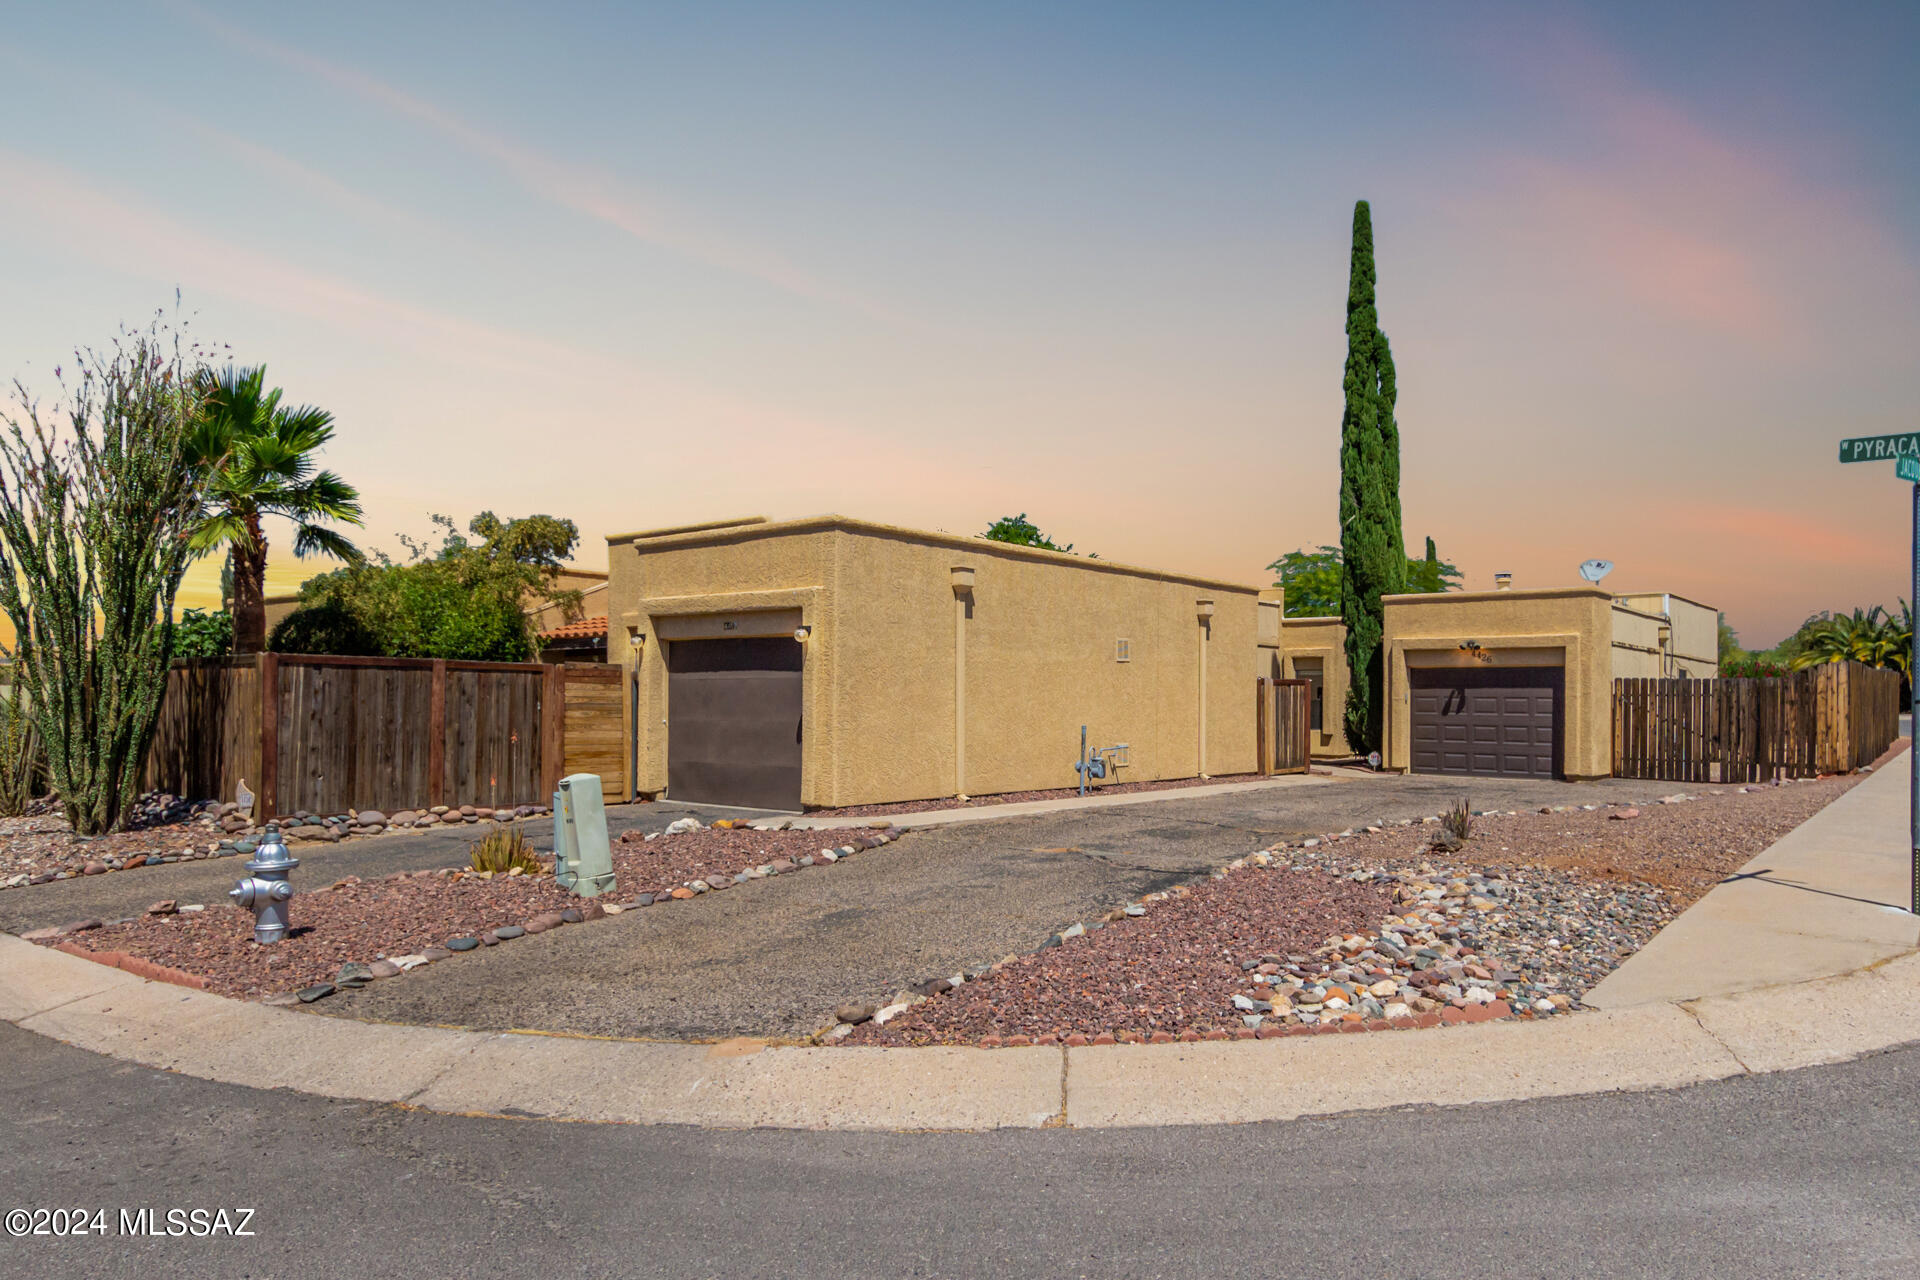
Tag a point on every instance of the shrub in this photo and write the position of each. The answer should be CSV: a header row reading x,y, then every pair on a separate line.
x,y
1458,821
200,634
503,849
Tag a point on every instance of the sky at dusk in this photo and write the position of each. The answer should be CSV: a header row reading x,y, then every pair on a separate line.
x,y
1642,265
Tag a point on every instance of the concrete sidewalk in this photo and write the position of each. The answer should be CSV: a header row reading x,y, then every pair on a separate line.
x,y
1829,896
1025,808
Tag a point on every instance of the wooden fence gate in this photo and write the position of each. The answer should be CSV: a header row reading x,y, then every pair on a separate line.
x,y
1283,711
325,734
1827,719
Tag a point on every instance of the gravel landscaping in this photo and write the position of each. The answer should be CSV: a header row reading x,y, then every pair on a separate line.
x,y
355,930
1369,928
163,829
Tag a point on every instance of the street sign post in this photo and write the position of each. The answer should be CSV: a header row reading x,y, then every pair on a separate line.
x,y
1903,450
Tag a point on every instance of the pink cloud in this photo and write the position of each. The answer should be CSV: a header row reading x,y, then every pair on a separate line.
x,y
595,194
1635,198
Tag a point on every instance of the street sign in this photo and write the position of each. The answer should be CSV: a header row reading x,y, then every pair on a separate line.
x,y
1880,448
1908,468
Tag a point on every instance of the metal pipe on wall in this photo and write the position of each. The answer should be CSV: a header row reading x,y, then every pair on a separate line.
x,y
962,579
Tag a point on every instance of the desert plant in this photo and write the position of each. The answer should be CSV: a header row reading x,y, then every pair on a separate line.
x,y
503,850
1458,821
95,517
23,766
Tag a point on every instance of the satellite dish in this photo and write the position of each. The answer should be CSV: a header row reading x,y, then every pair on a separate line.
x,y
1594,570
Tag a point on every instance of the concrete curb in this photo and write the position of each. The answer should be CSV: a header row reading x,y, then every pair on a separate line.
x,y
1027,808
742,1085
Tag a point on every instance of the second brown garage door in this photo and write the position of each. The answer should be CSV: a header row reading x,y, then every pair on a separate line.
x,y
733,722
1488,721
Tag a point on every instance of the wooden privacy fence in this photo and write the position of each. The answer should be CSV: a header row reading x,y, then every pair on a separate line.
x,y
1282,708
327,734
1827,719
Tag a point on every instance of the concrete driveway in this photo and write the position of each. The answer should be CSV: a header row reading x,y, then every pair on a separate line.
x,y
775,957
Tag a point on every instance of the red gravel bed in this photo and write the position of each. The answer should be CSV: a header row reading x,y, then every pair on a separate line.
x,y
1684,848
1174,969
406,913
44,844
658,865
1014,797
354,921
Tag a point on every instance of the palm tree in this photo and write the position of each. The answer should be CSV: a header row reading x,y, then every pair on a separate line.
x,y
1865,635
258,455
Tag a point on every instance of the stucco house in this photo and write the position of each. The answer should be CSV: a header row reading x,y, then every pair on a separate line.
x,y
832,661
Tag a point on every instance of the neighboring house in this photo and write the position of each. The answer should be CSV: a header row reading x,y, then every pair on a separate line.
x,y
832,661
582,641
1315,650
1661,635
1520,683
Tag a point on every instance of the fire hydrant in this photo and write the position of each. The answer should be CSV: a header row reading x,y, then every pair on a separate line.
x,y
267,888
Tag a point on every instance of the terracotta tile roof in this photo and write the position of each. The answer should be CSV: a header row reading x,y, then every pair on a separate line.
x,y
586,628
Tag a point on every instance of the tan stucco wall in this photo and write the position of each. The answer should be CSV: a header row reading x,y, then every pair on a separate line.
x,y
1325,639
879,668
1514,628
1691,647
1637,649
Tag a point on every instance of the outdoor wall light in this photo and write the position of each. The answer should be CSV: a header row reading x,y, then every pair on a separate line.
x,y
802,633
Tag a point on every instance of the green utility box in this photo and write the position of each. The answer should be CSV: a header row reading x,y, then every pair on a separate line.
x,y
582,856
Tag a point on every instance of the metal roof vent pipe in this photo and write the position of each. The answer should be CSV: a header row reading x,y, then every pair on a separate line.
x,y
1503,581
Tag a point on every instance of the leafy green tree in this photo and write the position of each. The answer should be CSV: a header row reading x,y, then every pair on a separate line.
x,y
1430,575
200,634
1021,532
1730,650
1312,579
96,517
1373,548
258,455
465,599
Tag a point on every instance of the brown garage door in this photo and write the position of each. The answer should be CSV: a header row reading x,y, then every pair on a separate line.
x,y
1488,721
733,722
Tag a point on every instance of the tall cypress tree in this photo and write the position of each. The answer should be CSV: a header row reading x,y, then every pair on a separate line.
x,y
1371,543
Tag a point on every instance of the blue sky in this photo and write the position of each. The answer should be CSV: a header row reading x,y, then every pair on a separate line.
x,y
936,264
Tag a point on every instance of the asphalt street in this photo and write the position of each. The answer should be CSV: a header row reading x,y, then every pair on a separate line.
x,y
1807,1173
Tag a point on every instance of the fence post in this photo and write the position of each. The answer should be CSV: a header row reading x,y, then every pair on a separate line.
x,y
1262,729
553,727
268,665
437,734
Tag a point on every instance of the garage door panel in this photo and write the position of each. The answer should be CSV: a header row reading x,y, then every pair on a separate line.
x,y
1492,722
734,722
